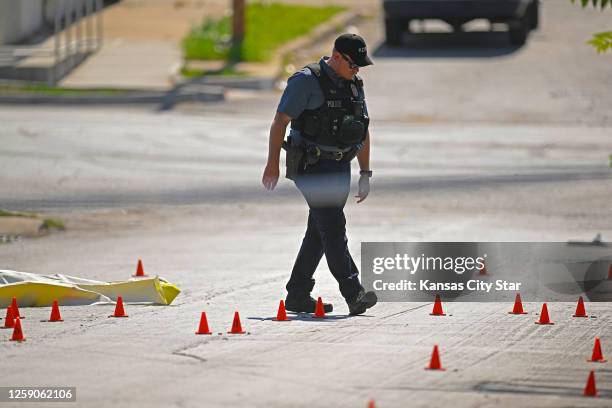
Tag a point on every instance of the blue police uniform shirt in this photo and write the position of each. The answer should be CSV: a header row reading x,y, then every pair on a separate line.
x,y
303,92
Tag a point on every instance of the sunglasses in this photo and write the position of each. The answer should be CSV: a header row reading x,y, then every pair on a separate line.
x,y
351,64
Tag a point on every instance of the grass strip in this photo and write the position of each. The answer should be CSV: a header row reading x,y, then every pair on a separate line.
x,y
228,70
268,26
58,91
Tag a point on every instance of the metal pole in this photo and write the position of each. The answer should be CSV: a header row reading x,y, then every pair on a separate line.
x,y
100,22
89,21
238,21
67,26
79,26
57,30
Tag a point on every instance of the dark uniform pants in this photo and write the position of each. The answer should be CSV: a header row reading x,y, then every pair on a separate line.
x,y
325,186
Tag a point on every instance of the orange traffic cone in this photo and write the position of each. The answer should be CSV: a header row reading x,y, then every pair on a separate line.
x,y
434,363
281,315
320,309
16,313
139,270
236,326
9,320
371,404
17,332
483,271
580,312
203,329
544,319
597,356
55,313
590,390
119,312
437,308
518,305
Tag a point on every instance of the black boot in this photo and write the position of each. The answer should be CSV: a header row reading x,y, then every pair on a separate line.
x,y
363,301
300,301
304,303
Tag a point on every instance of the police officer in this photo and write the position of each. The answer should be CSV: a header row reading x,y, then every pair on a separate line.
x,y
325,104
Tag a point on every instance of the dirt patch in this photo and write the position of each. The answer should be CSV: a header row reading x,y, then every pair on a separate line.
x,y
21,226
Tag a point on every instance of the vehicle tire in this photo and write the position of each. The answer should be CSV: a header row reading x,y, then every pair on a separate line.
x,y
394,28
533,14
457,28
518,30
406,25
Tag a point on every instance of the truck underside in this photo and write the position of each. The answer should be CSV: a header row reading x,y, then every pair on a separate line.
x,y
521,16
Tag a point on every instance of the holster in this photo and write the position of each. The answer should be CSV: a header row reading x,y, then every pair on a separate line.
x,y
294,159
351,154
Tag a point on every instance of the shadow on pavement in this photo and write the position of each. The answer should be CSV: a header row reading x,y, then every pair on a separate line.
x,y
305,317
222,194
471,44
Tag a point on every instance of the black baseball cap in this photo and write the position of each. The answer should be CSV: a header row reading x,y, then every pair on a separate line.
x,y
354,46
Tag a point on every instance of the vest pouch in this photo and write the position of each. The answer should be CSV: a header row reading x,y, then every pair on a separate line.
x,y
352,131
312,126
358,109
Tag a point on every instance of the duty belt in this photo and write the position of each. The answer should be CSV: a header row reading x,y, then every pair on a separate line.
x,y
326,155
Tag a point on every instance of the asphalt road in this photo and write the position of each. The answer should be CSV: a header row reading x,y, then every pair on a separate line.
x,y
181,190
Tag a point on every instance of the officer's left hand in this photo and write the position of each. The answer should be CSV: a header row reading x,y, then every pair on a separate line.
x,y
364,188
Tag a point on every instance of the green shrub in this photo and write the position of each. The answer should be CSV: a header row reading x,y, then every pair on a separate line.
x,y
210,41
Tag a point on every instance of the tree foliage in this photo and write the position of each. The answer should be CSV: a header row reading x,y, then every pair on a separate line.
x,y
601,41
601,3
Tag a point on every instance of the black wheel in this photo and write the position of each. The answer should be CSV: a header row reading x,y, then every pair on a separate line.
x,y
533,14
518,30
394,28
457,28
406,24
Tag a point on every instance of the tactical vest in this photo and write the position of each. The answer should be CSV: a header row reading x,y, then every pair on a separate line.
x,y
341,120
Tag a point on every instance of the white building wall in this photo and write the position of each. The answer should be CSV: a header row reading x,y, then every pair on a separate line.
x,y
19,19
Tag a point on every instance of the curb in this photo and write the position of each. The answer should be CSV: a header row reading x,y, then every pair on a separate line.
x,y
241,82
202,94
320,32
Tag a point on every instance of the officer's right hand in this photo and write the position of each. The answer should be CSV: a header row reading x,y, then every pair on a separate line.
x,y
270,176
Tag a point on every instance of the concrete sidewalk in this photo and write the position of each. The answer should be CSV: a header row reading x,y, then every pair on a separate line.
x,y
142,44
128,64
